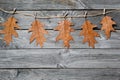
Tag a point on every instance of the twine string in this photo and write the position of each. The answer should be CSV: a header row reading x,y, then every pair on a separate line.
x,y
79,16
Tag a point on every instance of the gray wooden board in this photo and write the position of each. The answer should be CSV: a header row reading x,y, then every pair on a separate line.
x,y
59,4
60,58
60,74
23,41
25,21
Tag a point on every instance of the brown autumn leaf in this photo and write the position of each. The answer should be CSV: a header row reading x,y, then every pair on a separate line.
x,y
65,28
88,33
9,30
107,26
38,32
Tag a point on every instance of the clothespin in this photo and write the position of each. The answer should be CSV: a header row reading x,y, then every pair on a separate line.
x,y
35,15
14,10
104,11
85,16
65,16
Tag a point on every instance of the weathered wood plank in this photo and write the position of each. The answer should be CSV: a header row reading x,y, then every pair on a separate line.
x,y
60,58
60,74
100,4
8,74
42,4
59,4
23,41
25,21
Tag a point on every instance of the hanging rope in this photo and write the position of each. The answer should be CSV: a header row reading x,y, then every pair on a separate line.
x,y
79,16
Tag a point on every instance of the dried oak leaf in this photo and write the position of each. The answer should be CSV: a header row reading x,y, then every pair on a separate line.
x,y
37,32
65,29
107,26
88,33
9,30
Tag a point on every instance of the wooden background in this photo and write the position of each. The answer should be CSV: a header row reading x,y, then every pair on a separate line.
x,y
24,61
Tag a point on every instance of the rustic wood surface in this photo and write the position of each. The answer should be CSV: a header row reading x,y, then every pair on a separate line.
x,y
60,74
23,41
60,58
59,4
23,61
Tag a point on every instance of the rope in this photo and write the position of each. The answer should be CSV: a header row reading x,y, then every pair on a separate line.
x,y
79,16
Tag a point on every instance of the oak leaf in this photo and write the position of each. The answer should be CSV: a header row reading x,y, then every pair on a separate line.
x,y
88,33
65,29
107,26
9,30
37,32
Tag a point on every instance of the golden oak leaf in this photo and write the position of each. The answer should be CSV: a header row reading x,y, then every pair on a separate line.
x,y
38,32
65,28
107,26
9,29
88,33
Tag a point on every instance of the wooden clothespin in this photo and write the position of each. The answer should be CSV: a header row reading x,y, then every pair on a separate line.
x,y
35,15
14,10
85,16
65,16
104,11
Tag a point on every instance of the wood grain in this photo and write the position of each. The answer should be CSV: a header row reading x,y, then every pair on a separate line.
x,y
60,58
59,4
23,41
8,74
42,4
60,74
